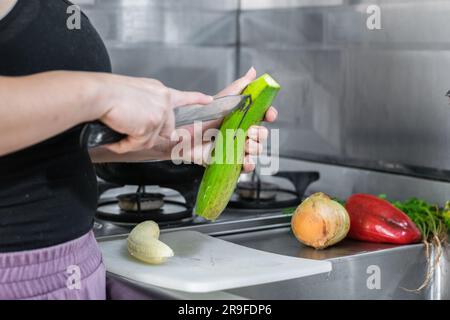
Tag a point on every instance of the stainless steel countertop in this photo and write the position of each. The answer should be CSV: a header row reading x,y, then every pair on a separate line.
x,y
282,241
400,267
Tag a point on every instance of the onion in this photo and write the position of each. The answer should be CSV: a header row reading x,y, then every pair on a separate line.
x,y
320,222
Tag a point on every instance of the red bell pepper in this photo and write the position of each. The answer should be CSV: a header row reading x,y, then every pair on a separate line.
x,y
376,220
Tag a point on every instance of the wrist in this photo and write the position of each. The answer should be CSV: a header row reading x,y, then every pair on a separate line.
x,y
94,96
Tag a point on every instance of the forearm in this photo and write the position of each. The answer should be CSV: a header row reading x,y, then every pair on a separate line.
x,y
35,108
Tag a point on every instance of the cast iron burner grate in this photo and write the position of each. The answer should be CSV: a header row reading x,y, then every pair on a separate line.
x,y
256,194
133,208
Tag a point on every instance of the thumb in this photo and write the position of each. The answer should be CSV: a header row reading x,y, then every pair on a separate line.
x,y
238,85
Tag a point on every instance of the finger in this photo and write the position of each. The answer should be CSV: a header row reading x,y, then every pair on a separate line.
x,y
253,148
237,86
199,154
271,114
206,125
206,154
159,134
182,98
258,133
129,144
212,124
249,164
168,126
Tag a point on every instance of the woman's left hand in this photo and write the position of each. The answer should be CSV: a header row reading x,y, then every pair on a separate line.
x,y
256,135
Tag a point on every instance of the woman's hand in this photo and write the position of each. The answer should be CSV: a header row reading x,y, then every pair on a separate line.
x,y
142,109
256,135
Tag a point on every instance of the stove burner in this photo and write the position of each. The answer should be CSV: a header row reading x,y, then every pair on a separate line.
x,y
283,199
259,195
133,208
109,210
257,190
137,202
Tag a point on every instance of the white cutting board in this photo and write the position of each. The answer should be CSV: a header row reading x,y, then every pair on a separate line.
x,y
206,264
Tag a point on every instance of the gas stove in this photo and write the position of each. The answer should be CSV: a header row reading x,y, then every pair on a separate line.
x,y
258,203
297,177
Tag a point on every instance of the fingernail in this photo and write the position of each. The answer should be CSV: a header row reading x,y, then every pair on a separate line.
x,y
252,69
276,111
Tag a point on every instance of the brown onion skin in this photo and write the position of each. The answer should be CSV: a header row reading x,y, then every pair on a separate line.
x,y
320,222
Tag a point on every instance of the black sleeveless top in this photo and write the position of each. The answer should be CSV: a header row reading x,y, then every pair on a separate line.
x,y
48,192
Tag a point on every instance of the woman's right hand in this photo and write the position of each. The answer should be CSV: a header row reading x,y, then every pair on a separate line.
x,y
140,108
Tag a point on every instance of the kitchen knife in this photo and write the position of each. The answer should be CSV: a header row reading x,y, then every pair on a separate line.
x,y
96,133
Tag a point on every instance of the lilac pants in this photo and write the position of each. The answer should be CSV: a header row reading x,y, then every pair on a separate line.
x,y
72,270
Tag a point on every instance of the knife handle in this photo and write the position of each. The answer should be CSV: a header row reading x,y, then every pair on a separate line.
x,y
95,134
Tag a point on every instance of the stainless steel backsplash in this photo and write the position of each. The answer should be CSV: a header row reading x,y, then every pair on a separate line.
x,y
348,92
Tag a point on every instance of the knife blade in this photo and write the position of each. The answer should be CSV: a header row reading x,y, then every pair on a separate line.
x,y
96,133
